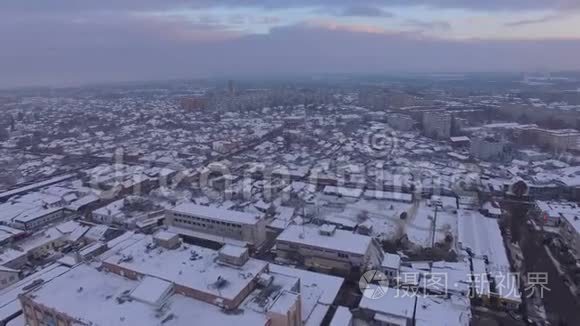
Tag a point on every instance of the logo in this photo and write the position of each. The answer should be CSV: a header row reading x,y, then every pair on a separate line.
x,y
381,143
373,284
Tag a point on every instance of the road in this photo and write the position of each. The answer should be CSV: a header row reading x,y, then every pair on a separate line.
x,y
561,305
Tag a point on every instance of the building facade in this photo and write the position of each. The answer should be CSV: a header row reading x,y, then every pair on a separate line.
x,y
437,124
240,226
570,232
488,149
327,249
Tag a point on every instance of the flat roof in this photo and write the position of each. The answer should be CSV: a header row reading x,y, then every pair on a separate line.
x,y
459,138
165,235
233,251
317,291
35,213
483,237
392,261
7,232
151,290
342,317
206,236
573,220
388,195
9,303
394,302
9,254
85,293
36,185
446,312
216,213
339,241
343,191
190,266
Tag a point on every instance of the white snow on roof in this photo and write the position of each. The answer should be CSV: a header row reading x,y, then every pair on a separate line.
x,y
317,291
165,235
444,312
340,241
342,317
7,233
88,199
388,195
152,290
9,303
9,254
483,237
215,213
233,251
459,138
392,261
284,302
342,191
177,266
394,302
456,277
92,297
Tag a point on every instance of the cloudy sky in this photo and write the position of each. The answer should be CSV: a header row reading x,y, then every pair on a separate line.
x,y
65,42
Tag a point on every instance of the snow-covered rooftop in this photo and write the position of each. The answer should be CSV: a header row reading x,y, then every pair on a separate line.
x,y
189,266
340,240
215,213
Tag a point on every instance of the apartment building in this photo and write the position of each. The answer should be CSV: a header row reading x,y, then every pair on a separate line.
x,y
555,139
437,124
488,148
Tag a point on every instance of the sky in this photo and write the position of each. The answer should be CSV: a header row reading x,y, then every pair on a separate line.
x,y
67,42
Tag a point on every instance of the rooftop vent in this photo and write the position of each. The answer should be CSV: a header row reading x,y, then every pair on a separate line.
x,y
220,283
233,255
327,230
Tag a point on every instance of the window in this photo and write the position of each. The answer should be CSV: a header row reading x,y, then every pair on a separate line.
x,y
341,255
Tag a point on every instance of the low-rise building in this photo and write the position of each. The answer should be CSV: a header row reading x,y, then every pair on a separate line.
x,y
8,276
12,258
218,224
142,284
551,213
400,307
327,249
195,272
391,265
8,234
387,306
460,141
388,195
570,232
37,218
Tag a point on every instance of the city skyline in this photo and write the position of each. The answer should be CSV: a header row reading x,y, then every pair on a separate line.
x,y
66,43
